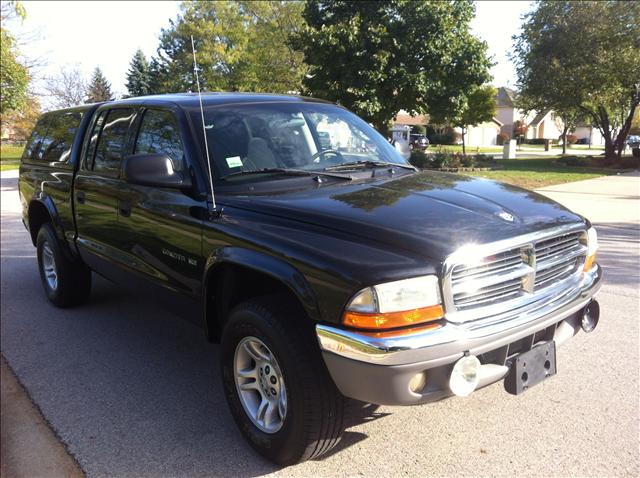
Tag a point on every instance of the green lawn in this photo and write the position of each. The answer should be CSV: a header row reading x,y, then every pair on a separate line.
x,y
578,147
457,148
532,173
586,146
10,157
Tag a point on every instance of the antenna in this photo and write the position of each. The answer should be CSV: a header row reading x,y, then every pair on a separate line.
x,y
204,130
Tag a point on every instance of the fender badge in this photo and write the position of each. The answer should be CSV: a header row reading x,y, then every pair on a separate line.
x,y
506,216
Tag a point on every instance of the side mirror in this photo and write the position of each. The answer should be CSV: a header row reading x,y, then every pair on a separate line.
x,y
154,170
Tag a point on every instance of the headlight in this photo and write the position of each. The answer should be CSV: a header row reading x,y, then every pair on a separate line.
x,y
592,248
395,304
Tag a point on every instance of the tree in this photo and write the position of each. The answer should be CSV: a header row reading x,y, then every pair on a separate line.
x,y
377,58
240,45
14,74
480,107
22,121
158,78
99,88
570,117
68,88
139,75
583,57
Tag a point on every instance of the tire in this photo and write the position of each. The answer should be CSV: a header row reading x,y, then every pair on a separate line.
x,y
311,424
66,282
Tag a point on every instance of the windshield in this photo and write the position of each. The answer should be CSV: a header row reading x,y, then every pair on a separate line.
x,y
301,136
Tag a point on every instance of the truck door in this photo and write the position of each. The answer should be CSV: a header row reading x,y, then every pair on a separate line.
x,y
97,190
161,237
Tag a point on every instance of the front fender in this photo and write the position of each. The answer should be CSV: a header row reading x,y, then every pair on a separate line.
x,y
274,267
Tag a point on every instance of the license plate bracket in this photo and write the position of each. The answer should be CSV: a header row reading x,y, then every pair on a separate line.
x,y
530,368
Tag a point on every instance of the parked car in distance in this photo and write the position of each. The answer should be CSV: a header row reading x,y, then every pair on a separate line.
x,y
633,141
419,142
330,270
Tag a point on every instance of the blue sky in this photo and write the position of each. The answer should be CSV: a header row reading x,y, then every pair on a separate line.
x,y
86,34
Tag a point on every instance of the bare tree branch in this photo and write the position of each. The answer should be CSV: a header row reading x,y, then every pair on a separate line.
x,y
67,89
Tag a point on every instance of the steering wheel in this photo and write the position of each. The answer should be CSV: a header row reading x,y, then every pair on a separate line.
x,y
324,152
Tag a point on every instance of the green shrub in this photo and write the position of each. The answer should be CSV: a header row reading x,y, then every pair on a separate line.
x,y
582,161
484,159
448,137
468,161
632,162
420,159
440,159
444,138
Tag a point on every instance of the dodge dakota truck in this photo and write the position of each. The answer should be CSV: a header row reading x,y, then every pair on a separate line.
x,y
329,269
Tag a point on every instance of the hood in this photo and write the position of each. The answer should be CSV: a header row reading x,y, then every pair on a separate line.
x,y
431,213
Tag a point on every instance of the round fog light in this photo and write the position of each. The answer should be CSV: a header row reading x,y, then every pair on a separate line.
x,y
417,382
464,376
590,316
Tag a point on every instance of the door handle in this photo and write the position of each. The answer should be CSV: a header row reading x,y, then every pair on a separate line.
x,y
125,208
80,197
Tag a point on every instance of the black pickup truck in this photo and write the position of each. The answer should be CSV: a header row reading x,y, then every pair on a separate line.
x,y
331,271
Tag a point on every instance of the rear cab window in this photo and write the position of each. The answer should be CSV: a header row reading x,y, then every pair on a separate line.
x,y
53,136
108,141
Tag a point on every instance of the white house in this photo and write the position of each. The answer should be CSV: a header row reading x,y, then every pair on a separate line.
x,y
588,135
546,125
484,134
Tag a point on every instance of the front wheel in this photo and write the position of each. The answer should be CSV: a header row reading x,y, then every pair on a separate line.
x,y
278,389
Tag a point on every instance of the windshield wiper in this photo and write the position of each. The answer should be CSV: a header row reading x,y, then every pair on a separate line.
x,y
369,164
285,172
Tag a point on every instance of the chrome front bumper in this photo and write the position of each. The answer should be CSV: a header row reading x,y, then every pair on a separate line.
x,y
355,359
451,341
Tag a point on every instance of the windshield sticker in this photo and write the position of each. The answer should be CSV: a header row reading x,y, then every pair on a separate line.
x,y
234,162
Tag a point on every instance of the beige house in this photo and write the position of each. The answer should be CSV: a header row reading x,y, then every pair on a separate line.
x,y
540,125
7,132
403,118
506,111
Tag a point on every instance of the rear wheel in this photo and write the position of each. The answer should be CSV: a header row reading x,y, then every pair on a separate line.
x,y
278,389
65,281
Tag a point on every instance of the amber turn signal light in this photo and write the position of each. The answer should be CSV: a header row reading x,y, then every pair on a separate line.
x,y
392,320
589,262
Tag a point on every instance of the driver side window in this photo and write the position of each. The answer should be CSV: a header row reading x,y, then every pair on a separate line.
x,y
160,134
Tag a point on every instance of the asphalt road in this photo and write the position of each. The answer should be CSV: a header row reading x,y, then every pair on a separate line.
x,y
134,391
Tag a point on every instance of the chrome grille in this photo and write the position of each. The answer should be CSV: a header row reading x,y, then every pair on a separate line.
x,y
493,278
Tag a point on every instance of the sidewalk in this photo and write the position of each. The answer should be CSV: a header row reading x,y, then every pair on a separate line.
x,y
607,199
29,447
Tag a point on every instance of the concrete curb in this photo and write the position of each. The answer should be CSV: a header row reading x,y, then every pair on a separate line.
x,y
29,447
